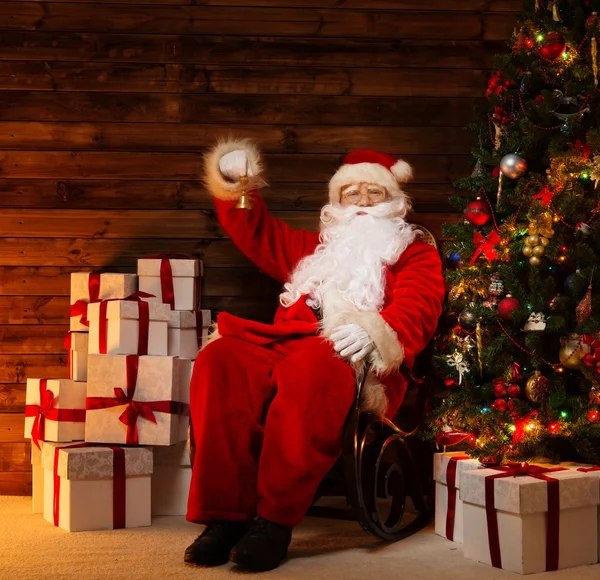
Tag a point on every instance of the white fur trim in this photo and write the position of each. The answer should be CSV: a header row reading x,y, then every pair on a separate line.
x,y
370,173
216,183
373,397
212,336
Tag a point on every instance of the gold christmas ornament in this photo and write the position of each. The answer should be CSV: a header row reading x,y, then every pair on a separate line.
x,y
538,251
527,251
535,261
537,387
532,240
541,225
572,351
544,241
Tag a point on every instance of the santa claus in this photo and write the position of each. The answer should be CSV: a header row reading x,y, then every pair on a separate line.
x,y
269,401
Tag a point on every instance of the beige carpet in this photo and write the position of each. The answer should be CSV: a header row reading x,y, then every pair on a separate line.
x,y
31,548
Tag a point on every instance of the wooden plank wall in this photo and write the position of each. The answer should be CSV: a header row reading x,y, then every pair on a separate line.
x,y
106,108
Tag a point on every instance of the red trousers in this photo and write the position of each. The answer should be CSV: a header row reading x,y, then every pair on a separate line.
x,y
268,424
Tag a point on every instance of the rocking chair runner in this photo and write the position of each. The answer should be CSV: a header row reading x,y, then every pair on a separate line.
x,y
384,460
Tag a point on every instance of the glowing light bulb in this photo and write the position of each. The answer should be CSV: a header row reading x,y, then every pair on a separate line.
x,y
539,37
512,428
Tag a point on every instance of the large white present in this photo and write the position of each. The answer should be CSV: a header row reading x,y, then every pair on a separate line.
x,y
77,344
128,327
54,410
204,322
171,480
447,470
89,287
172,281
97,487
185,377
530,519
37,480
183,335
134,400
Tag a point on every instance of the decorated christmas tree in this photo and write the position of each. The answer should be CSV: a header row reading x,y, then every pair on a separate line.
x,y
519,351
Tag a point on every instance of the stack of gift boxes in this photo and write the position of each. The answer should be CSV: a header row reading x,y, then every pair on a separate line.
x,y
110,444
520,517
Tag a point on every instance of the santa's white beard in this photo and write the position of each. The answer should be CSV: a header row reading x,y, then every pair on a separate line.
x,y
353,255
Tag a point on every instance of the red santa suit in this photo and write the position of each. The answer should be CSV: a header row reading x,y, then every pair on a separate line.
x,y
268,401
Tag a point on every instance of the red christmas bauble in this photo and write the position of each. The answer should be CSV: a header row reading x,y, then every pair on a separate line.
x,y
449,382
589,360
500,390
500,404
593,415
514,391
554,46
507,306
478,213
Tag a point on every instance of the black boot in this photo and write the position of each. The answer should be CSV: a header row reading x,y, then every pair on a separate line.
x,y
213,545
264,547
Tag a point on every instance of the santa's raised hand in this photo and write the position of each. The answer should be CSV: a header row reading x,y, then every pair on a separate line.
x,y
352,342
234,165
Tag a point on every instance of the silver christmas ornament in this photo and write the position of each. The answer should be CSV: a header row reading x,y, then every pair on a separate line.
x,y
513,166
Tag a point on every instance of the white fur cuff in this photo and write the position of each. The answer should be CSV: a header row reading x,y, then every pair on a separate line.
x,y
216,183
389,352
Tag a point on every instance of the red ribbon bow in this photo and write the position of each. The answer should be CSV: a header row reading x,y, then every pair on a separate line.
x,y
485,246
119,483
79,308
552,521
545,196
47,410
134,409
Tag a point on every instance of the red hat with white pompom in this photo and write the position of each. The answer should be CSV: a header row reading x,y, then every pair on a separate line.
x,y
365,166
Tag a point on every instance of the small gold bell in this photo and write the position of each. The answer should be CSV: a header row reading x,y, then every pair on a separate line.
x,y
244,201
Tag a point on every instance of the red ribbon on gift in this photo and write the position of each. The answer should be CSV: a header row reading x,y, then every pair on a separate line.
x,y
485,246
47,410
119,483
79,308
67,344
589,469
552,521
134,409
166,276
451,484
199,327
144,322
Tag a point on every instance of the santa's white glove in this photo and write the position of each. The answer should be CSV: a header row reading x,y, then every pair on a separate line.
x,y
234,165
352,341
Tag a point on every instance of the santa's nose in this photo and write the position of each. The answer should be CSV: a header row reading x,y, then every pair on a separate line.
x,y
364,201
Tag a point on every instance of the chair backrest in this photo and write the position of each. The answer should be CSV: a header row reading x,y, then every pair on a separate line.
x,y
420,382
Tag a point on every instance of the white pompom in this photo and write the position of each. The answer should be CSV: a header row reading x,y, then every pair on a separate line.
x,y
402,171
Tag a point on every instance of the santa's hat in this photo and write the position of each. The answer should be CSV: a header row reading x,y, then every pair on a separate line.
x,y
368,166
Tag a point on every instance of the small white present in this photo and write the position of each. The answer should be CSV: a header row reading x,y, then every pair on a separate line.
x,y
89,287
173,281
54,410
447,470
183,335
77,344
37,479
530,519
97,487
134,400
171,480
128,327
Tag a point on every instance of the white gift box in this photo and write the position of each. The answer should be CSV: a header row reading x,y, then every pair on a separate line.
x,y
61,414
447,495
183,336
185,274
37,480
171,480
123,328
522,515
111,286
185,376
157,393
85,496
206,317
78,354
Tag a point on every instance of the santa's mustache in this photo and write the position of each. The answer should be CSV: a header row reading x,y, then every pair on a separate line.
x,y
332,214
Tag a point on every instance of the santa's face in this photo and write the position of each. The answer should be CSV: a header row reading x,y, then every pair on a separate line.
x,y
363,194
